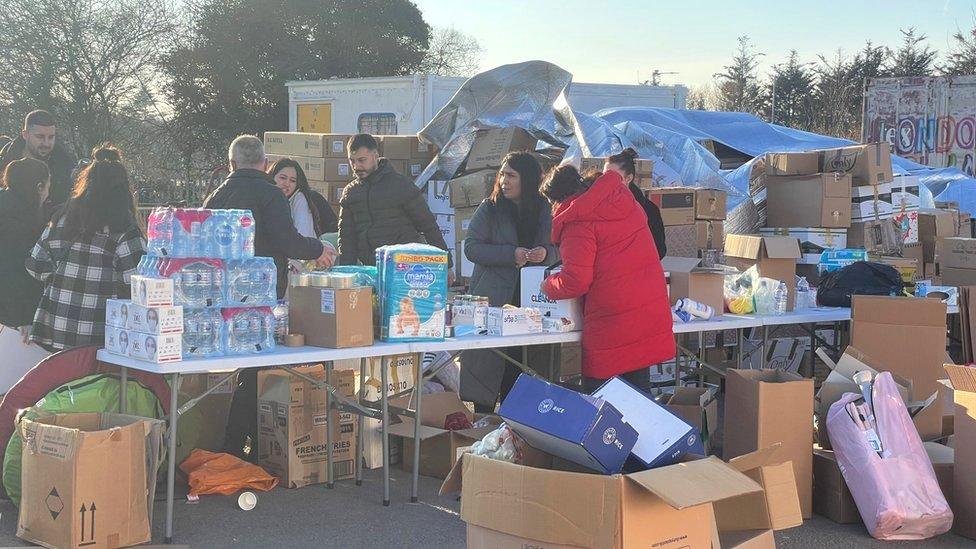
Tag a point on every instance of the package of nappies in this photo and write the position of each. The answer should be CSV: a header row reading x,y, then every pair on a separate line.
x,y
412,282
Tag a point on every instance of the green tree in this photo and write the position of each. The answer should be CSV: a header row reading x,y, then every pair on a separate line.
x,y
791,88
228,76
962,53
914,57
738,85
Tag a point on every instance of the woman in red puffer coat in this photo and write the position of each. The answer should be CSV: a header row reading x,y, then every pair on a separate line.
x,y
611,263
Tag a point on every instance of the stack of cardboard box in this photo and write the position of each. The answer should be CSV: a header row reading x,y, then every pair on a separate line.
x,y
643,170
693,219
322,157
774,256
408,154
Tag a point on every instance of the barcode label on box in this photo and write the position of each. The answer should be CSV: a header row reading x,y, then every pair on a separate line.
x,y
328,301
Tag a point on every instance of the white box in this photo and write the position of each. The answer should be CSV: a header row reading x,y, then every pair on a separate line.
x,y
117,340
445,222
508,321
155,320
156,348
117,313
439,198
532,296
905,201
556,325
467,267
152,292
863,200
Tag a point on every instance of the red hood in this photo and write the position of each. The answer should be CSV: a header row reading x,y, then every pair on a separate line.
x,y
606,200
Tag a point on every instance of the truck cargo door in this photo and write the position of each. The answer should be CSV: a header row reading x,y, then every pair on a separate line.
x,y
315,117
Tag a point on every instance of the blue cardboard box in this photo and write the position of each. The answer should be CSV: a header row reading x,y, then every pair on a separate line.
x,y
662,437
580,428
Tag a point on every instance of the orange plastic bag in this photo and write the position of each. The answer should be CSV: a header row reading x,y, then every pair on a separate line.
x,y
213,473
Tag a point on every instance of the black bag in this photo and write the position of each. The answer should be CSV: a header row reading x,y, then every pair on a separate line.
x,y
861,278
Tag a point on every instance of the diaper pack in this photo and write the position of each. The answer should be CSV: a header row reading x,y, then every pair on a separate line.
x,y
412,282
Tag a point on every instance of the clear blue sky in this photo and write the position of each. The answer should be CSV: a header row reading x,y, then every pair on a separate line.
x,y
612,41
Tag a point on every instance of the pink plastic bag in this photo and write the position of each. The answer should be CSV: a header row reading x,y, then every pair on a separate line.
x,y
897,495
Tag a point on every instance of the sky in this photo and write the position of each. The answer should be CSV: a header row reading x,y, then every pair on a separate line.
x,y
624,40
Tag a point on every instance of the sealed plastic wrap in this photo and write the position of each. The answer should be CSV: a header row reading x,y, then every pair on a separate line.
x,y
886,467
412,282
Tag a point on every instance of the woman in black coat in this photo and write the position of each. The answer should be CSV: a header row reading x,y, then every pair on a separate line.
x,y
624,163
25,185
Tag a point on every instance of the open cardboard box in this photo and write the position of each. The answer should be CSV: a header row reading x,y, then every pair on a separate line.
x,y
515,506
696,405
963,380
926,414
779,489
438,446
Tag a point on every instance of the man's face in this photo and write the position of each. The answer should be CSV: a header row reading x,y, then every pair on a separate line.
x,y
40,141
363,161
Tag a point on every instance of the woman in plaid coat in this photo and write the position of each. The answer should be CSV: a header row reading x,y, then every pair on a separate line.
x,y
86,256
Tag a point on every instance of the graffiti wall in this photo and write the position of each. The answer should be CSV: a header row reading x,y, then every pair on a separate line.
x,y
929,120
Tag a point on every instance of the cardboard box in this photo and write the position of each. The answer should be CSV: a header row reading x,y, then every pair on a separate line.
x,y
904,335
89,479
710,204
122,313
155,348
957,277
439,197
338,170
677,204
438,446
820,200
531,296
943,459
491,146
874,236
580,428
957,253
763,407
509,321
663,437
399,147
932,226
330,317
322,145
117,340
690,281
399,166
689,240
658,508
906,223
696,405
831,497
293,422
462,220
334,192
314,168
152,292
415,167
792,163
778,482
963,380
868,164
870,203
776,257
470,190
812,239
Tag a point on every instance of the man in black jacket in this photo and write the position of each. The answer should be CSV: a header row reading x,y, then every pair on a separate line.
x,y
248,187
380,207
39,140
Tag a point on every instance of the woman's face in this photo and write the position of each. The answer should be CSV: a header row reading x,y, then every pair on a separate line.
x,y
287,180
511,182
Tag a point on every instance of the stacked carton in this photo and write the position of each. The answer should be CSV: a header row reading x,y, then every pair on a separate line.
x,y
151,333
407,153
693,220
322,156
643,170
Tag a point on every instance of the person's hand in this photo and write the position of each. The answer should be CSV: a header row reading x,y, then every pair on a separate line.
x,y
25,333
328,257
537,254
521,256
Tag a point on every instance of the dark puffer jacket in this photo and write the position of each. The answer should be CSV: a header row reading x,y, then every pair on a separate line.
x,y
275,235
60,163
384,208
19,230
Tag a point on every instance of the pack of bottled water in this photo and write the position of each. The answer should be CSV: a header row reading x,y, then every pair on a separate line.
x,y
248,330
197,282
184,232
251,282
203,331
211,282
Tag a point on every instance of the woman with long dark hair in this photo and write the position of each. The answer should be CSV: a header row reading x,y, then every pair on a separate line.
x,y
509,230
610,261
309,210
86,255
25,185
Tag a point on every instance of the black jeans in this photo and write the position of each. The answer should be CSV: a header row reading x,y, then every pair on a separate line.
x,y
508,380
638,378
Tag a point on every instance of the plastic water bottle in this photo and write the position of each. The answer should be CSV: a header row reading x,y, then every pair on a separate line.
x,y
160,232
781,298
803,293
202,331
248,330
251,282
281,321
245,228
222,235
196,282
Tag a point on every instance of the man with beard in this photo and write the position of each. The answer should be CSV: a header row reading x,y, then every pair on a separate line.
x,y
380,207
39,140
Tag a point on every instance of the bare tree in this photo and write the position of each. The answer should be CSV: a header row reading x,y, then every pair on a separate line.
x,y
703,98
92,62
451,53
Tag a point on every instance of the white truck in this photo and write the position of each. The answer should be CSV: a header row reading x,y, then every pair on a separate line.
x,y
405,104
931,120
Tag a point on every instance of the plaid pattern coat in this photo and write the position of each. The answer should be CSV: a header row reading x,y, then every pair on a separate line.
x,y
80,272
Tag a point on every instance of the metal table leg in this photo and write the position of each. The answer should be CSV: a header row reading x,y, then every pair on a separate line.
x,y
418,396
123,390
171,455
330,476
701,359
385,400
738,348
360,438
765,347
812,359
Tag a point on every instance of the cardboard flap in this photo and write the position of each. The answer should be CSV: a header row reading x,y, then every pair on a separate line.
x,y
695,482
939,454
744,246
50,439
452,483
902,311
692,396
435,407
781,247
405,429
679,264
757,459
963,378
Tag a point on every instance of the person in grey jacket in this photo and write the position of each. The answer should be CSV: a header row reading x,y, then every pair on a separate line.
x,y
509,230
